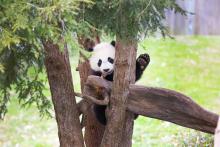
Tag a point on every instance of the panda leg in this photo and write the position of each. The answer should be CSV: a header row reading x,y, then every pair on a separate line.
x,y
100,113
141,63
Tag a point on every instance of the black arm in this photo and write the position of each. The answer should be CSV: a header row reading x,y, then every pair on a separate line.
x,y
141,63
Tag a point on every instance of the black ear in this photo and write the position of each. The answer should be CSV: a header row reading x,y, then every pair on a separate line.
x,y
88,44
90,49
113,43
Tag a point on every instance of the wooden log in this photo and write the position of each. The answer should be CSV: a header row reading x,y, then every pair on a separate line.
x,y
171,106
163,104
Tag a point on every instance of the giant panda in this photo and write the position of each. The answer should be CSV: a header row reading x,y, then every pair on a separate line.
x,y
102,64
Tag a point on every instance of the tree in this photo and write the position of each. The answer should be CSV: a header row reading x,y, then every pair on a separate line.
x,y
127,20
37,33
33,34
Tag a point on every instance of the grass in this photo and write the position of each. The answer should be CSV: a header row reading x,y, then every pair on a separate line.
x,y
187,64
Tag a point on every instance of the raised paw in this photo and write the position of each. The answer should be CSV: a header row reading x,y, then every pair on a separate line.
x,y
143,60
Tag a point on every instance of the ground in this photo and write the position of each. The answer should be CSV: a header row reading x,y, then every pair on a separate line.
x,y
187,64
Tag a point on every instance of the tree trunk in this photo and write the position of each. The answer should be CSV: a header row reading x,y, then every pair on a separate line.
x,y
129,116
124,74
61,87
119,127
128,130
93,129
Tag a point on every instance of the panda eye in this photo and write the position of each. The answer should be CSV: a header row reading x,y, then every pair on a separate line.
x,y
110,60
99,62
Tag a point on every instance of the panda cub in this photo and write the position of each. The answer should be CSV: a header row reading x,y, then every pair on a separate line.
x,y
102,64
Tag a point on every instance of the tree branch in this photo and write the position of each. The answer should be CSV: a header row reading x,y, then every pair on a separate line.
x,y
163,104
142,12
171,106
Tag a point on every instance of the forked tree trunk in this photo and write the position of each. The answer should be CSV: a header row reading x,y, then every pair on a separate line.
x,y
93,129
61,87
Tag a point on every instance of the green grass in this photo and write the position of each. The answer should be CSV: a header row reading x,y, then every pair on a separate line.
x,y
187,64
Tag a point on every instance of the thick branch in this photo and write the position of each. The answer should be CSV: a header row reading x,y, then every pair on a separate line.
x,y
163,104
171,106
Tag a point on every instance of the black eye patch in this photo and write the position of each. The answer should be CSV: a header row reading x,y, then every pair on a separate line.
x,y
99,62
110,60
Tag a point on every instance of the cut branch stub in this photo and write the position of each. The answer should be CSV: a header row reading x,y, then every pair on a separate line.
x,y
94,100
162,104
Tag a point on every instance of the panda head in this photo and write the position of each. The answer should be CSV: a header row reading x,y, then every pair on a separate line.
x,y
102,59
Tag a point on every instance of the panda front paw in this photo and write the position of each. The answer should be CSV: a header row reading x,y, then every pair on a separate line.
x,y
143,60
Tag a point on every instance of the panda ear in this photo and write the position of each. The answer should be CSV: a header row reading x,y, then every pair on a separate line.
x,y
113,43
90,49
89,44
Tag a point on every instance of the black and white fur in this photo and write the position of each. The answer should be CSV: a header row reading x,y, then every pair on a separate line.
x,y
102,64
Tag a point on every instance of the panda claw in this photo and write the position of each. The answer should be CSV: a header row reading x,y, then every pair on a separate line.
x,y
143,60
146,57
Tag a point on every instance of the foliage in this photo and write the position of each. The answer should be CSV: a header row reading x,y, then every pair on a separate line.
x,y
129,17
24,26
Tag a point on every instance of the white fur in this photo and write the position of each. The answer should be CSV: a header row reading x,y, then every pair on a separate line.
x,y
102,51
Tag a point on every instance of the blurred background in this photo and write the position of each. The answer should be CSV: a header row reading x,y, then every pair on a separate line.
x,y
205,19
190,64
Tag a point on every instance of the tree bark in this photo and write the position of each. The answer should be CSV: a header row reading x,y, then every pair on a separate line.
x,y
124,74
171,106
163,104
61,87
119,127
93,129
128,130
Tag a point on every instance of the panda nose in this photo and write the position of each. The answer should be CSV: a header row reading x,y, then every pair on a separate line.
x,y
106,70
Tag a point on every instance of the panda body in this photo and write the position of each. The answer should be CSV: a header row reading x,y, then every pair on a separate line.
x,y
102,64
